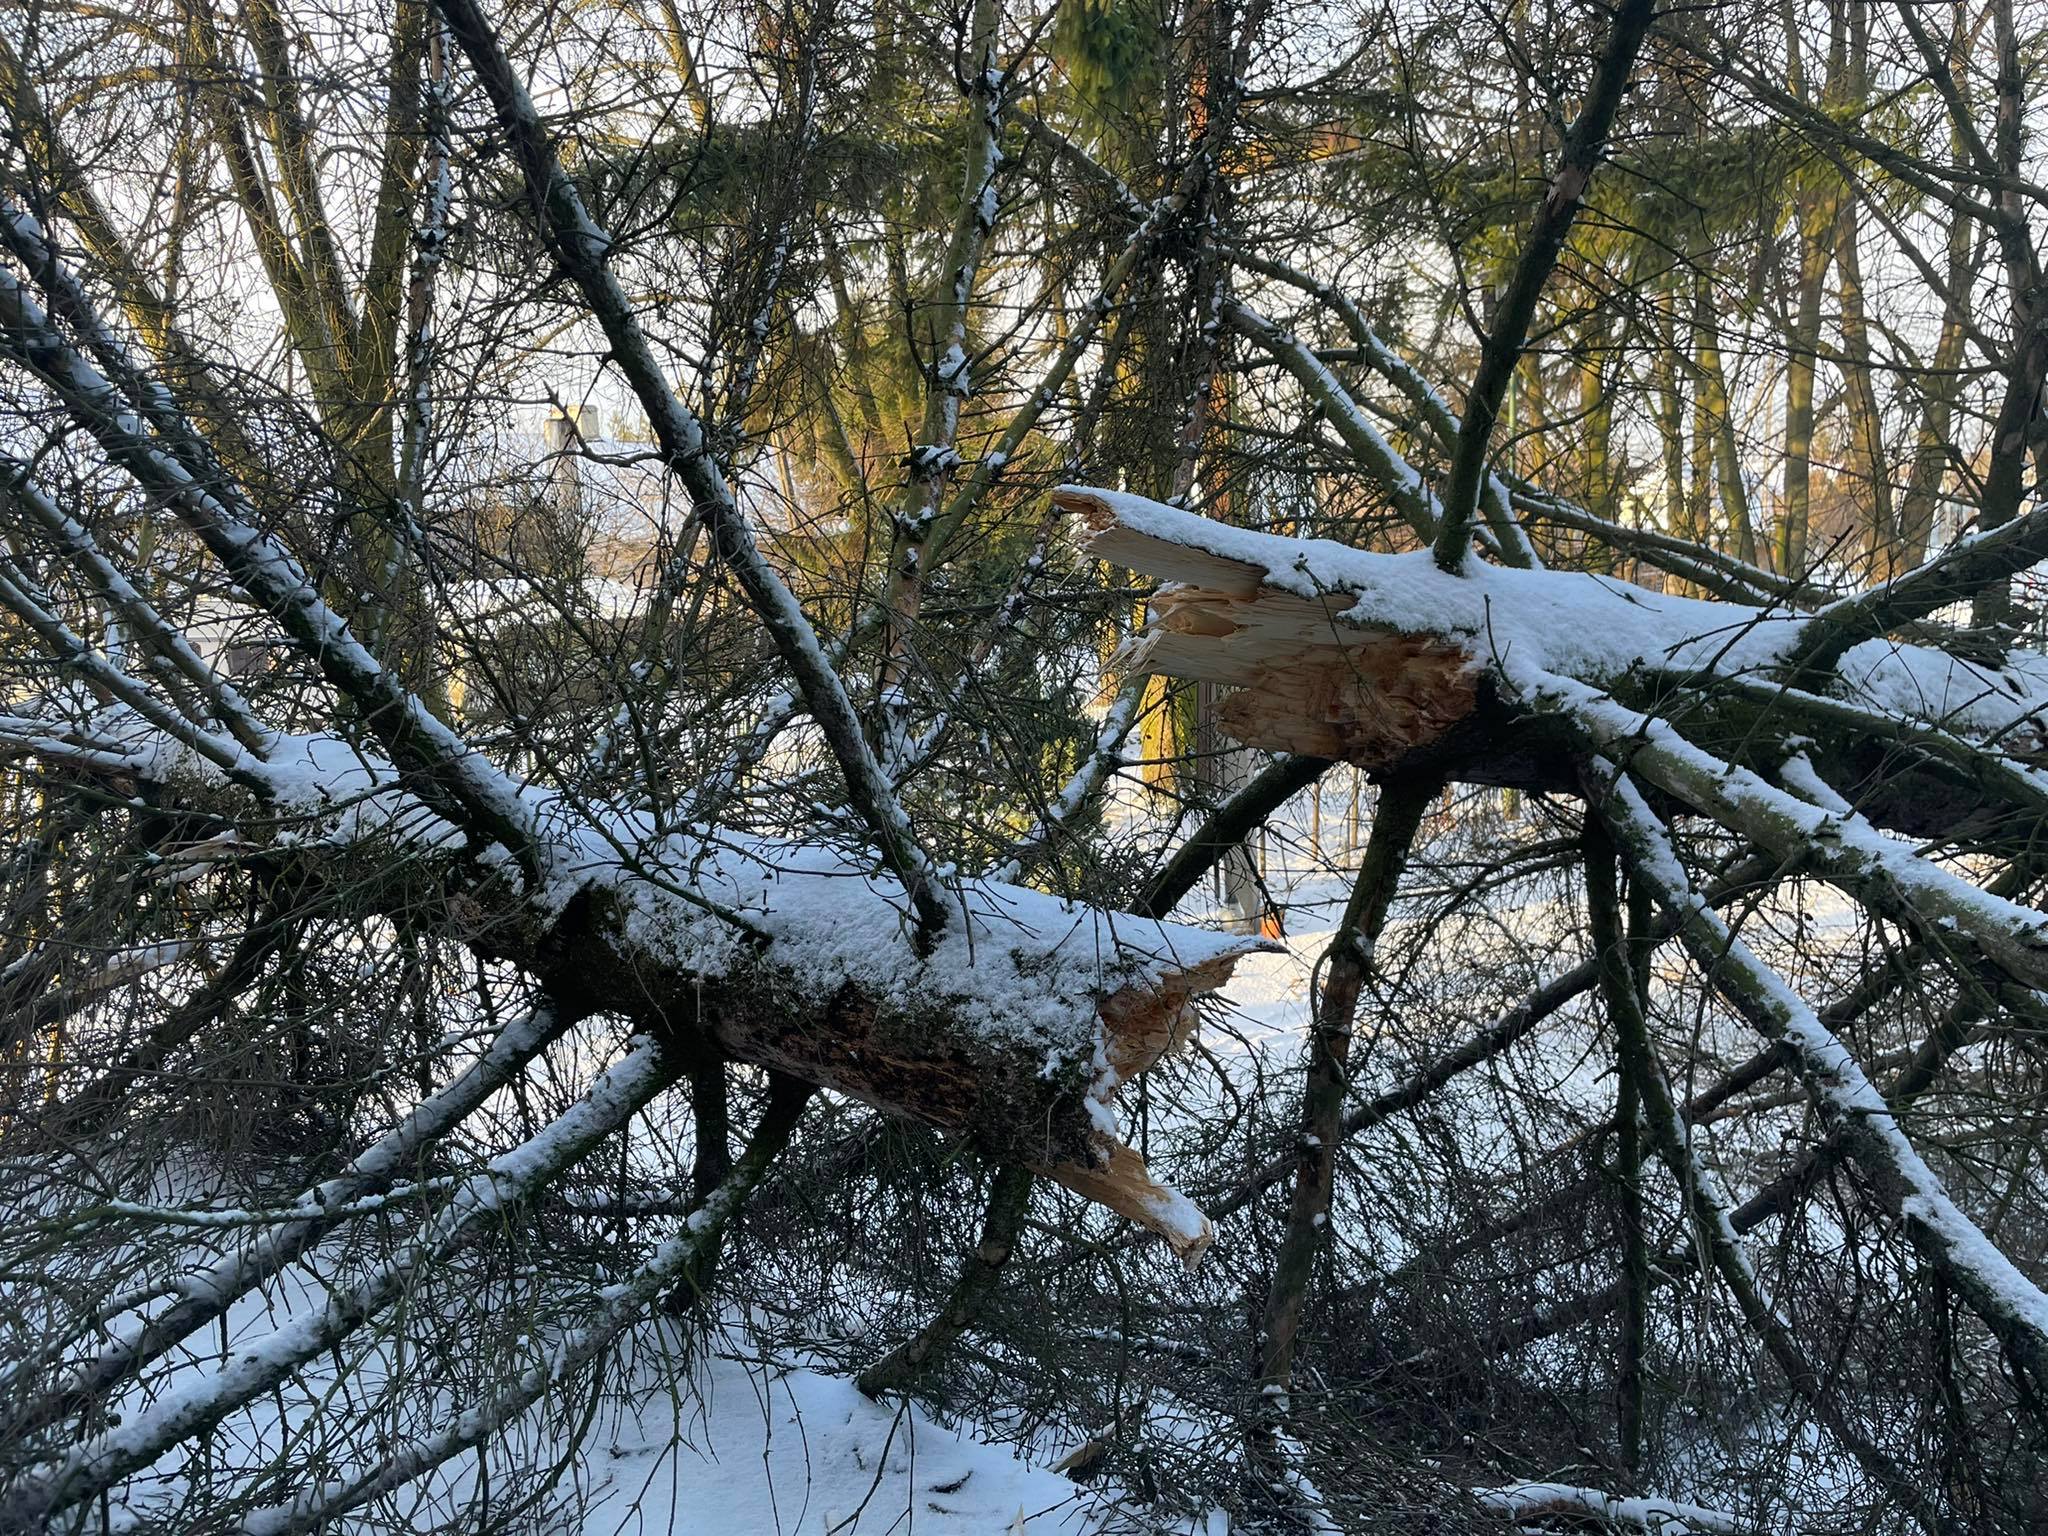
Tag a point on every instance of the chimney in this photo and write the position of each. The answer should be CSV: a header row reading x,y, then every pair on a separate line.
x,y
562,434
560,430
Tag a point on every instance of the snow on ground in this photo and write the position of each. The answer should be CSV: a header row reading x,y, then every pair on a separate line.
x,y
735,1444
771,1450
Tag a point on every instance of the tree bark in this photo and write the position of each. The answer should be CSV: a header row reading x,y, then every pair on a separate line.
x,y
1347,966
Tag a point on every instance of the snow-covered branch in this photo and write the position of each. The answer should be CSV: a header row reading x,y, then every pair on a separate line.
x,y
258,1365
449,770
2012,1306
583,251
623,1304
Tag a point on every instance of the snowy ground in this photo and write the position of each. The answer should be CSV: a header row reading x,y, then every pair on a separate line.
x,y
769,1450
737,1445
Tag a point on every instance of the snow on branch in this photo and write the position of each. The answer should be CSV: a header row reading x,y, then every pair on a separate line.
x,y
206,499
75,541
1526,1503
1373,658
583,250
258,1365
621,1305
1017,1025
1832,841
2011,1305
212,1286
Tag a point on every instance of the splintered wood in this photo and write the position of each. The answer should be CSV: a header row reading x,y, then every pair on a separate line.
x,y
1139,1025
1125,1185
1002,1091
1306,680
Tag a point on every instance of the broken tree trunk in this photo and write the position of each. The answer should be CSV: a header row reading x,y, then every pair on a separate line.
x,y
1382,662
1017,1028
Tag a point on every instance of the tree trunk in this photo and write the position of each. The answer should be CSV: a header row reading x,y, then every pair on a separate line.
x,y
1596,410
1009,1202
1718,417
1866,419
1347,966
1670,412
1880,532
1802,349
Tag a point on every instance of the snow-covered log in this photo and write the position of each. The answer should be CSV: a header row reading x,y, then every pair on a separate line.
x,y
1528,1503
1389,663
1017,1026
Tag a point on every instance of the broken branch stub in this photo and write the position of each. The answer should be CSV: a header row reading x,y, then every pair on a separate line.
x,y
1017,1030
1304,679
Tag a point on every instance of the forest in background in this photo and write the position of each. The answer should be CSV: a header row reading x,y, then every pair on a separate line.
x,y
1294,754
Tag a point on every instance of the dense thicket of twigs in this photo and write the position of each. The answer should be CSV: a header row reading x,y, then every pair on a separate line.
x,y
536,648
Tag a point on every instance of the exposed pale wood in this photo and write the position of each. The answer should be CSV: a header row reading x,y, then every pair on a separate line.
x,y
1123,1183
1111,541
1307,679
1163,653
1140,1026
1370,704
1269,619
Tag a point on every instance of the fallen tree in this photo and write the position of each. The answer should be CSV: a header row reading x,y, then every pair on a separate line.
x,y
1334,652
987,1011
1516,677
